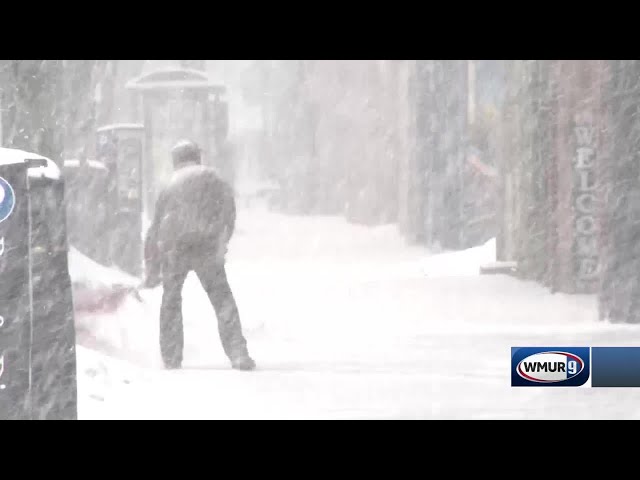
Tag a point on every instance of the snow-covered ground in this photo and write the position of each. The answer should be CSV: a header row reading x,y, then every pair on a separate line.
x,y
346,322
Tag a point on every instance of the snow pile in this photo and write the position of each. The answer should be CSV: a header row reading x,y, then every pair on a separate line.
x,y
109,310
130,333
90,274
97,288
49,170
461,263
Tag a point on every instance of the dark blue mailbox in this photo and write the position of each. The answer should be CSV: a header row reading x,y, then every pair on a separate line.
x,y
38,378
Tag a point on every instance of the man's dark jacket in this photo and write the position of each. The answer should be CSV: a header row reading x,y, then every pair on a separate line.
x,y
195,207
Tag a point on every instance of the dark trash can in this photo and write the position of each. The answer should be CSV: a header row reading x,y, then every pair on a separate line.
x,y
38,374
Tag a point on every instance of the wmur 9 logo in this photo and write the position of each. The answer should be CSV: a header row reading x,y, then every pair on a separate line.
x,y
550,367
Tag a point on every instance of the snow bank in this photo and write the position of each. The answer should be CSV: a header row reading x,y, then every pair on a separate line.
x,y
130,334
109,309
460,263
92,275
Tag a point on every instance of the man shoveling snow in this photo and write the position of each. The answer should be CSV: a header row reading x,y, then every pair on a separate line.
x,y
193,222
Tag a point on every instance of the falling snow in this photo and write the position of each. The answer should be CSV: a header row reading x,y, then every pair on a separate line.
x,y
399,227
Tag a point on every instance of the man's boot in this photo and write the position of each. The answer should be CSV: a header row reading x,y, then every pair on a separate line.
x,y
243,362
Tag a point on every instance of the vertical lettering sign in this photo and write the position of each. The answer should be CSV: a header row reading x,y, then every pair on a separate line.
x,y
14,293
585,202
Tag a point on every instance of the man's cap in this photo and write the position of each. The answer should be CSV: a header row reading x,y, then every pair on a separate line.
x,y
185,151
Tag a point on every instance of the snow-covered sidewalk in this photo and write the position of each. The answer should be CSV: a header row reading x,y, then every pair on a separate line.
x,y
347,321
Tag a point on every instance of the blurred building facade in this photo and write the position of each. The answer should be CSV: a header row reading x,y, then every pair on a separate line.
x,y
550,201
570,182
384,141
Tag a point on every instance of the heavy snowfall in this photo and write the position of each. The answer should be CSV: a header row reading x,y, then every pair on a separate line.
x,y
399,227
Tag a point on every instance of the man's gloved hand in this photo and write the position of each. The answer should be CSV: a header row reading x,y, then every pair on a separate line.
x,y
151,281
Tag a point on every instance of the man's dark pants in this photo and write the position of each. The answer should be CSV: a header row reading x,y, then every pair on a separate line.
x,y
206,260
